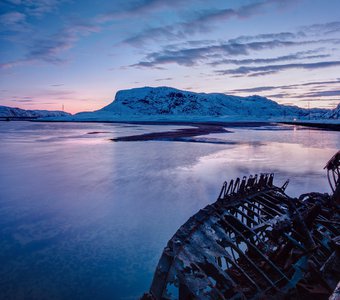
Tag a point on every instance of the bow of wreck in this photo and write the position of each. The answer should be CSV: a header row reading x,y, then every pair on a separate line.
x,y
256,242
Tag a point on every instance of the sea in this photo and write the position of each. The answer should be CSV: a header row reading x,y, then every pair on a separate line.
x,y
84,217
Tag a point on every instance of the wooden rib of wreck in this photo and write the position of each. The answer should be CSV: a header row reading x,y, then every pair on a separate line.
x,y
256,242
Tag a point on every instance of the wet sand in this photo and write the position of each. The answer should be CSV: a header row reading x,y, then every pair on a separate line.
x,y
174,134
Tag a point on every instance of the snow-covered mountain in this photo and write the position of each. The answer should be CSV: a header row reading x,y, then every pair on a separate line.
x,y
165,103
14,112
170,104
333,114
170,101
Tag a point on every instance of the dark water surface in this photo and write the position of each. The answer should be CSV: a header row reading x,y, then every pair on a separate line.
x,y
82,217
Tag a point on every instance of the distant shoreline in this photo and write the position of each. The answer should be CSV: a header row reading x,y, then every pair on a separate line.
x,y
326,126
166,122
329,126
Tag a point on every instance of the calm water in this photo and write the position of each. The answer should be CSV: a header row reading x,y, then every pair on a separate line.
x,y
82,217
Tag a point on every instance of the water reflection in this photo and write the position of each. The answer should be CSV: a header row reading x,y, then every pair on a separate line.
x,y
84,218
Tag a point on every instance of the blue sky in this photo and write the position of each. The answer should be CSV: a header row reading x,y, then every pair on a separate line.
x,y
79,53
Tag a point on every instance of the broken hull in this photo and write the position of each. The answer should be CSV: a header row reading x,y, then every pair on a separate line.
x,y
254,242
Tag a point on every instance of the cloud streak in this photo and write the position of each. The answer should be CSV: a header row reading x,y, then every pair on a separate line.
x,y
319,94
164,79
37,8
140,8
290,57
204,20
50,48
151,5
325,28
272,69
289,86
195,55
13,21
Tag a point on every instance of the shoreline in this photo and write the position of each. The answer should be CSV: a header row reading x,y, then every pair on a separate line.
x,y
314,125
327,126
167,122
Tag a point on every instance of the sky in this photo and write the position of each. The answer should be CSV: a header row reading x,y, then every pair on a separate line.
x,y
76,55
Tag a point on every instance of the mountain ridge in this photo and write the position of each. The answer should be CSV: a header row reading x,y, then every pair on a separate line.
x,y
167,104
167,101
15,112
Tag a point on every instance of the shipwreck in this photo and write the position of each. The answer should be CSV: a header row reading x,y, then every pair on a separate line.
x,y
256,242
